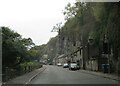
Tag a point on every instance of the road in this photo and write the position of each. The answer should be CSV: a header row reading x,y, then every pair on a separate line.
x,y
59,75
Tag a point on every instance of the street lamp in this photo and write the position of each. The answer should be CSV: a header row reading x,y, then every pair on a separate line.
x,y
58,28
106,49
90,42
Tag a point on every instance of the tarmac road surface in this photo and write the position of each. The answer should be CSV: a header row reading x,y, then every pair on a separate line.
x,y
59,75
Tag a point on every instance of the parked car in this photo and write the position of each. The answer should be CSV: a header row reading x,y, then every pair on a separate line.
x,y
50,64
65,65
74,66
78,67
59,64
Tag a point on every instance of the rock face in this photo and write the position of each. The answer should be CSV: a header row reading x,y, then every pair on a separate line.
x,y
90,24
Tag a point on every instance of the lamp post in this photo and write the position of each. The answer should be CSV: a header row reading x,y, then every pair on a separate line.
x,y
90,42
57,29
106,49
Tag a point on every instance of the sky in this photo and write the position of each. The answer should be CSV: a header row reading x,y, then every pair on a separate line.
x,y
33,18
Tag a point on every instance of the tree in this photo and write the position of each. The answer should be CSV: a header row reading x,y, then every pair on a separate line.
x,y
14,48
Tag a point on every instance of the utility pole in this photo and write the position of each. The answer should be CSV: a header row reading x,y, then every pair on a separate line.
x,y
108,55
57,29
83,52
106,47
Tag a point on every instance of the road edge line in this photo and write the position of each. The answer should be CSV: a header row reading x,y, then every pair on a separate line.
x,y
35,76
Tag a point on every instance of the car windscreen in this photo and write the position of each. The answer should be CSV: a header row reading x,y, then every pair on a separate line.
x,y
73,65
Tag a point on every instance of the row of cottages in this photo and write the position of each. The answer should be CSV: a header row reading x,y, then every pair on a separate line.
x,y
88,57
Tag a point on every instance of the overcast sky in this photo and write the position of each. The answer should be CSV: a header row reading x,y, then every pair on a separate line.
x,y
33,18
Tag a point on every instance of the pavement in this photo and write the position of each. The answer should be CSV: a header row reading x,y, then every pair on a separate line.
x,y
26,78
101,74
0,83
0,78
